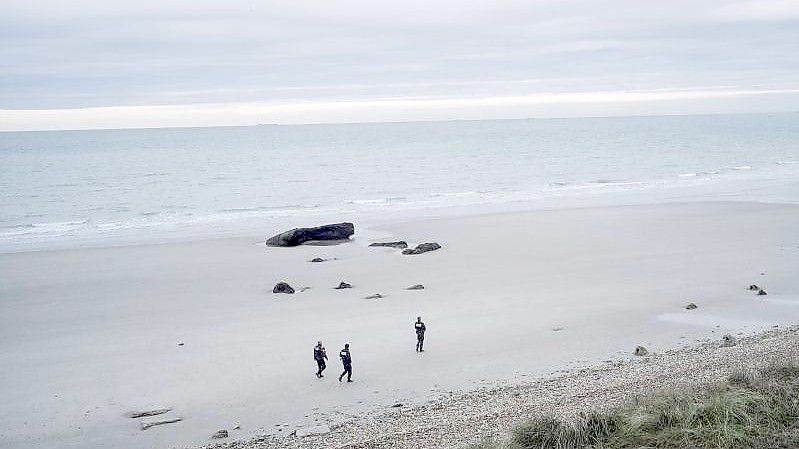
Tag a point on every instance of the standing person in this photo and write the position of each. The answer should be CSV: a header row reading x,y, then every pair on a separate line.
x,y
420,328
319,354
346,360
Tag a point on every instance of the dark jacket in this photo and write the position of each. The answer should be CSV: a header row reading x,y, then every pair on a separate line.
x,y
345,357
420,328
319,353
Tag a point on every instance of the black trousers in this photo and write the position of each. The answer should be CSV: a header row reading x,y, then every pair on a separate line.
x,y
419,342
347,371
322,366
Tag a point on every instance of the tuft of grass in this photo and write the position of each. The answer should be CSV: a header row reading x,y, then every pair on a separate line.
x,y
755,409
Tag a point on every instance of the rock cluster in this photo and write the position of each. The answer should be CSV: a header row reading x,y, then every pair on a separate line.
x,y
691,306
343,285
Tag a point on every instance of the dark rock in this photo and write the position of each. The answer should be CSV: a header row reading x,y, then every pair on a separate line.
x,y
144,413
641,351
343,285
282,287
754,287
401,244
147,425
397,405
317,259
691,306
728,340
423,248
416,287
304,289
220,434
761,292
298,236
557,329
375,296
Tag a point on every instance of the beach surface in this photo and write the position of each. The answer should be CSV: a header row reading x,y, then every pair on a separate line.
x,y
491,413
88,335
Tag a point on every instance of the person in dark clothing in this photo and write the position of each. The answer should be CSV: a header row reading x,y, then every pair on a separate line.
x,y
346,360
420,328
319,354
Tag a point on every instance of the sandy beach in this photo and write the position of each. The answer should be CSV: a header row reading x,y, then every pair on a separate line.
x,y
89,335
491,413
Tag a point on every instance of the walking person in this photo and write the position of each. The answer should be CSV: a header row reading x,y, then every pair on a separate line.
x,y
319,354
346,360
420,329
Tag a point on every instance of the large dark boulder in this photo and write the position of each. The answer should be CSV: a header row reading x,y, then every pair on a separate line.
x,y
423,248
401,244
282,287
298,236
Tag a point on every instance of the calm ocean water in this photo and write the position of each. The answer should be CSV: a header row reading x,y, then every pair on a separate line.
x,y
62,189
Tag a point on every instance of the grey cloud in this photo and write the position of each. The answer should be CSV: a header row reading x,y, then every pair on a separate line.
x,y
89,53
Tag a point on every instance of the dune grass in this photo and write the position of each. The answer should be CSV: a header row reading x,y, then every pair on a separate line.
x,y
757,409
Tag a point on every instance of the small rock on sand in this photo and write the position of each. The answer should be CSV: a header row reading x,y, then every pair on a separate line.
x,y
343,285
220,434
401,244
144,413
728,340
754,287
317,259
761,292
397,405
640,351
422,248
375,296
146,425
416,287
691,306
282,287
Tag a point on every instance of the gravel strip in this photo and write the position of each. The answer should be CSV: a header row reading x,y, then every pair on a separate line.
x,y
491,413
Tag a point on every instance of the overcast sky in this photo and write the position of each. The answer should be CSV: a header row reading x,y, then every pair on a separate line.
x,y
100,64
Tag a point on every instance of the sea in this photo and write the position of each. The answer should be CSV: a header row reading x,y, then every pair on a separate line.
x,y
68,189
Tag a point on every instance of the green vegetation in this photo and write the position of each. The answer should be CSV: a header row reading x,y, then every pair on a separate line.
x,y
758,409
